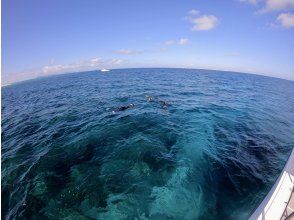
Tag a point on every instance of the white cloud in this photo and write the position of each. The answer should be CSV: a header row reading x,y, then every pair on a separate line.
x,y
169,42
183,41
286,20
76,66
277,5
272,5
126,52
202,22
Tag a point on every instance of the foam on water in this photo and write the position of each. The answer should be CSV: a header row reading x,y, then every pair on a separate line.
x,y
212,154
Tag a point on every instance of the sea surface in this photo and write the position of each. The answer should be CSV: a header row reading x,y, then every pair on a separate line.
x,y
213,152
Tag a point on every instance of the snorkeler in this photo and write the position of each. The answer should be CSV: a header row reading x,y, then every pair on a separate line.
x,y
164,104
123,108
149,98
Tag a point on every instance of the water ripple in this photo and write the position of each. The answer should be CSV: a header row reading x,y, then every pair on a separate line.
x,y
212,154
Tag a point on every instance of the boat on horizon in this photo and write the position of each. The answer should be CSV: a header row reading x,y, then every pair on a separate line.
x,y
104,70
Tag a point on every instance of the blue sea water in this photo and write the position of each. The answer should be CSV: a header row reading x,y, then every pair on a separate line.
x,y
213,153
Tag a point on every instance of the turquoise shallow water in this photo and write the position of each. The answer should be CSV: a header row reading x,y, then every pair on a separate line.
x,y
213,153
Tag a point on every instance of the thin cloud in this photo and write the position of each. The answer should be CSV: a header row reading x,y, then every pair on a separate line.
x,y
85,65
193,12
161,49
95,61
52,69
126,52
232,54
253,2
202,22
183,41
169,42
116,61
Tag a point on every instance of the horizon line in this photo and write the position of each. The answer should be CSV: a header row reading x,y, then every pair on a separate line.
x,y
124,68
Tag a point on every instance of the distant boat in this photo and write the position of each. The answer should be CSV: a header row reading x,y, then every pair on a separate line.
x,y
104,70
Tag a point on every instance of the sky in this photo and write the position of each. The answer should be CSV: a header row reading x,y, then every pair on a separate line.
x,y
41,38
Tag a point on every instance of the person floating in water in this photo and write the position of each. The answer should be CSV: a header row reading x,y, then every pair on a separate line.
x,y
149,98
123,108
164,104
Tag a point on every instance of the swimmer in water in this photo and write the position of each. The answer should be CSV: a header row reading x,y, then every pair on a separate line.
x,y
123,108
164,104
149,98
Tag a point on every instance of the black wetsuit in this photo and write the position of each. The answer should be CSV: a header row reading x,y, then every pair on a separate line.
x,y
123,108
164,104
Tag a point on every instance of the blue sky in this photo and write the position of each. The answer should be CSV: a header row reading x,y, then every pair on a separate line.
x,y
50,37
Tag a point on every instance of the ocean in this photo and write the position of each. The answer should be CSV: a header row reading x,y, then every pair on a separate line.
x,y
195,144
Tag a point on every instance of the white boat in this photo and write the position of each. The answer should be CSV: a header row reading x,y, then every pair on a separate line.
x,y
279,202
104,70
